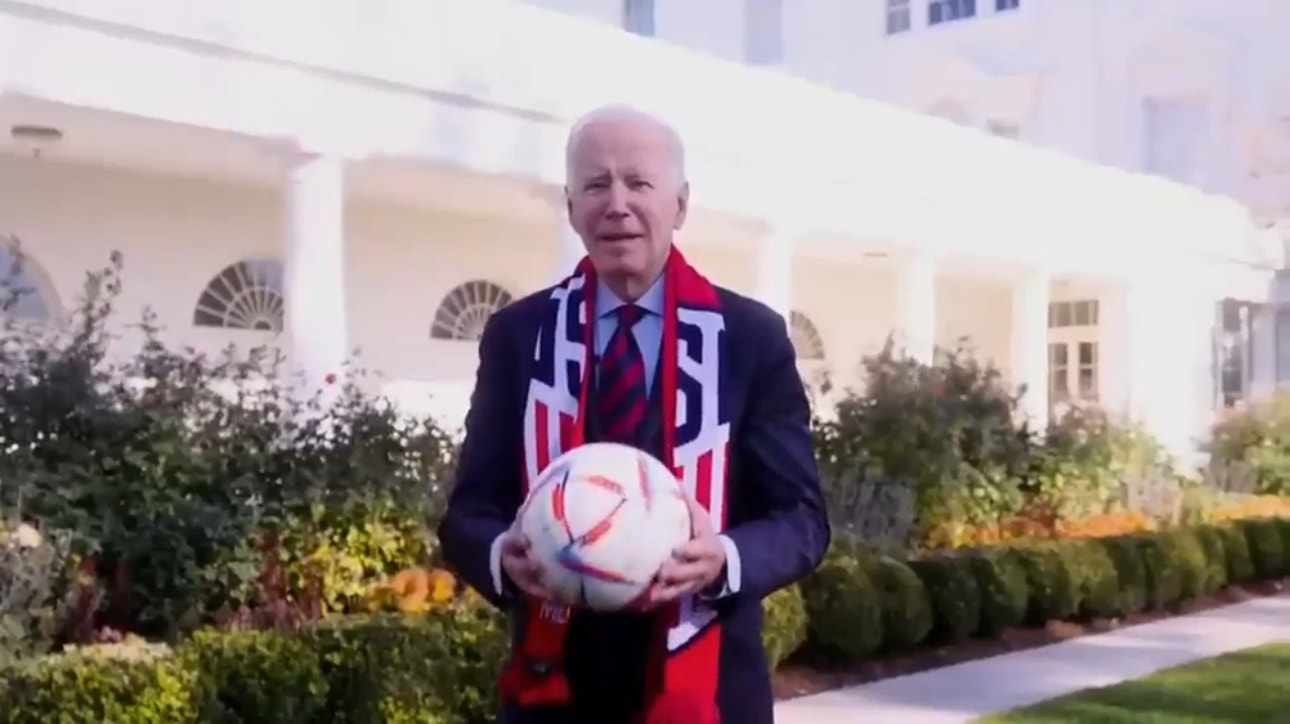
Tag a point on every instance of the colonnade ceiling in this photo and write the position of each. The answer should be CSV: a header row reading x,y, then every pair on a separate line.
x,y
59,133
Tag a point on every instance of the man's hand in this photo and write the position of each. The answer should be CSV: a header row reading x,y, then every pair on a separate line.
x,y
694,566
519,566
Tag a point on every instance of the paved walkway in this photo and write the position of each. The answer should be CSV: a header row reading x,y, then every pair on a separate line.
x,y
961,693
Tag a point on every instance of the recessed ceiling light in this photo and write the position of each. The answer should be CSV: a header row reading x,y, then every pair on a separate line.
x,y
35,137
35,133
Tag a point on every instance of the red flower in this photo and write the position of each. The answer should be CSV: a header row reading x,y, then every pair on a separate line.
x,y
330,378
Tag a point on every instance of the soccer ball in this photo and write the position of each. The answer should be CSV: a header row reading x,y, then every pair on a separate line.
x,y
600,521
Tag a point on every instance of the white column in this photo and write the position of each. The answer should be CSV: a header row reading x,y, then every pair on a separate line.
x,y
775,272
1029,345
570,250
314,274
916,307
1167,358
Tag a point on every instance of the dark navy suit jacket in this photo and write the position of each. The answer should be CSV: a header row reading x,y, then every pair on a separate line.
x,y
775,515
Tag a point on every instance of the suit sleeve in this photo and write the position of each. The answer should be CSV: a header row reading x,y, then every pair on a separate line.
x,y
487,491
787,539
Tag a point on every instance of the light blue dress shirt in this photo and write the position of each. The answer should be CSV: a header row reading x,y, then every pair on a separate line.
x,y
649,338
648,331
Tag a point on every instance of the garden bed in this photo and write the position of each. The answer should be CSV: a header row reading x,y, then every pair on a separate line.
x,y
862,617
794,679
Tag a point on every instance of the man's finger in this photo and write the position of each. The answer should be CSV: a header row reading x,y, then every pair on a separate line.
x,y
700,523
515,542
679,573
664,594
695,550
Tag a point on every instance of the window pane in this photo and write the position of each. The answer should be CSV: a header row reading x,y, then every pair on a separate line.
x,y
1063,314
1088,383
1057,355
942,11
1057,387
897,21
638,17
1087,353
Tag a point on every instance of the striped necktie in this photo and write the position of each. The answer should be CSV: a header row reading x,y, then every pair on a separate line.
x,y
621,396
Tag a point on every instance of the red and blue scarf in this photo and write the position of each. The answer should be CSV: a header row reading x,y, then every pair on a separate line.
x,y
681,683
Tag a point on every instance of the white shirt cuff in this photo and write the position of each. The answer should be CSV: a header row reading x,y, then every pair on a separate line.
x,y
734,569
495,564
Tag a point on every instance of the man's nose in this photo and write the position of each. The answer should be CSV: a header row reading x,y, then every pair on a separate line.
x,y
617,206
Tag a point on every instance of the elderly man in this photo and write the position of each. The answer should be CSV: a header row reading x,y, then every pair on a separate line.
x,y
661,336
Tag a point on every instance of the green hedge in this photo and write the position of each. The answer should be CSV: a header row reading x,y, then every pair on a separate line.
x,y
440,668
984,591
783,624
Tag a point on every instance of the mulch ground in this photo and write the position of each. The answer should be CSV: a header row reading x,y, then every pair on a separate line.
x,y
795,679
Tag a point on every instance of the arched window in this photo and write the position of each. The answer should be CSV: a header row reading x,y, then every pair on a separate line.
x,y
807,341
25,291
246,295
466,308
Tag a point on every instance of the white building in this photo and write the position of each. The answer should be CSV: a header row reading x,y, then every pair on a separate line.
x,y
380,174
1192,90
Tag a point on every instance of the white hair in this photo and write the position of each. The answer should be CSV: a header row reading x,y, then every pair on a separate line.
x,y
619,112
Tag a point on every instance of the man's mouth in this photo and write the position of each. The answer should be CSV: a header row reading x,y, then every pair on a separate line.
x,y
618,237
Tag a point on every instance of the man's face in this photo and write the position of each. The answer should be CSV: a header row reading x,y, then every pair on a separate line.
x,y
625,196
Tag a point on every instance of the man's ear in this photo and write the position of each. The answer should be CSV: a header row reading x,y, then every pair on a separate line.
x,y
568,202
682,205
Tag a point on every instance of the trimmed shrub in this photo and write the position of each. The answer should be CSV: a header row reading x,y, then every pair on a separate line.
x,y
1283,527
953,593
1163,586
843,611
1005,594
1187,560
1052,590
1240,567
1129,569
1094,578
247,676
783,624
1266,552
437,668
1211,542
127,682
906,607
410,668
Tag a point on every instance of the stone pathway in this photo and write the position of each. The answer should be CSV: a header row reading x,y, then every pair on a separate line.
x,y
961,693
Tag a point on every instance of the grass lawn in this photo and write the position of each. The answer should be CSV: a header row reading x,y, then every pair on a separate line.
x,y
1246,686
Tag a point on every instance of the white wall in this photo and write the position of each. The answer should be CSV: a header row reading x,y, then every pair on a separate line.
x,y
1073,76
715,27
176,234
